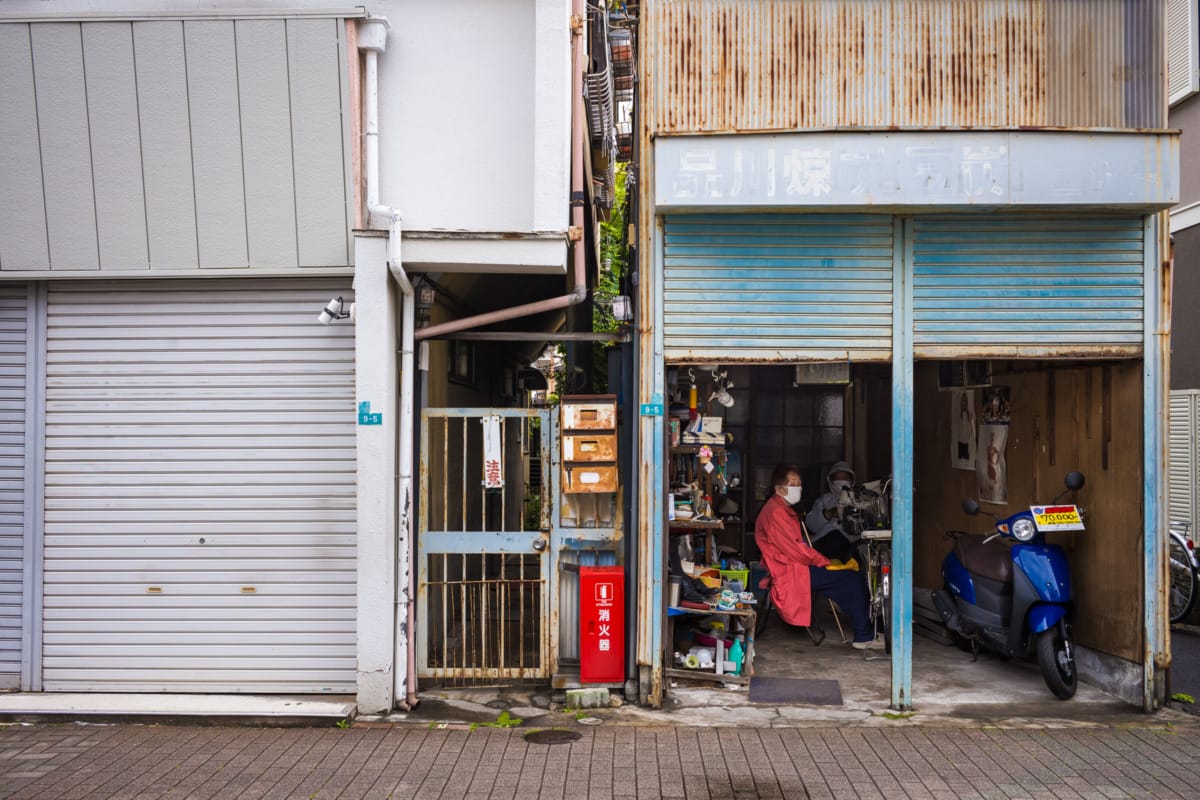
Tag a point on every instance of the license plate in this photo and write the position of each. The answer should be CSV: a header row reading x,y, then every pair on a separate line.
x,y
1056,518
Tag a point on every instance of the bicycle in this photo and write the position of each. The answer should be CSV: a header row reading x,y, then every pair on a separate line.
x,y
870,517
879,583
1183,571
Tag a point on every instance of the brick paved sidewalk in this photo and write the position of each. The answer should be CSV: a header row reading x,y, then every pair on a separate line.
x,y
161,762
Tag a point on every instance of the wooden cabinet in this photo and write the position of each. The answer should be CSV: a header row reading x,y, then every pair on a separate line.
x,y
589,444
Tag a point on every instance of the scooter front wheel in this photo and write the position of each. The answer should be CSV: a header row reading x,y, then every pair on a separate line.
x,y
1056,657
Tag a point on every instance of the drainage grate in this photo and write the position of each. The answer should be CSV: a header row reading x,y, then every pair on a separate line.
x,y
552,737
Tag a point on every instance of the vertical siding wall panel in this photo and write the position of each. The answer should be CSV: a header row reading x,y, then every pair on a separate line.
x,y
174,145
212,79
116,144
66,145
317,125
22,205
270,187
166,145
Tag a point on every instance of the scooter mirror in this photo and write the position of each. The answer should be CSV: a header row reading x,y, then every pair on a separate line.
x,y
1074,481
969,506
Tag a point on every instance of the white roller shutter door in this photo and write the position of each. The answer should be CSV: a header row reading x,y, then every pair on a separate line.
x,y
13,313
200,488
1184,474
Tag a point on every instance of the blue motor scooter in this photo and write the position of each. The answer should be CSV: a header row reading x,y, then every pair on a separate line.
x,y
1015,600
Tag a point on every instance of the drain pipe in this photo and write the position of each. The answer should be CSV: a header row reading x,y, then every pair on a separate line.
x,y
575,234
372,40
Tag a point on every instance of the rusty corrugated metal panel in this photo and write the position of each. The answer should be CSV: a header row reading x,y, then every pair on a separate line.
x,y
742,65
1106,61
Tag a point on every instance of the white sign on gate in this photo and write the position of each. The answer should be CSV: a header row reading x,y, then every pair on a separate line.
x,y
493,453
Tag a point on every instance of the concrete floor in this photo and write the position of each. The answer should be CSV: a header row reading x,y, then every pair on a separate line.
x,y
949,690
946,684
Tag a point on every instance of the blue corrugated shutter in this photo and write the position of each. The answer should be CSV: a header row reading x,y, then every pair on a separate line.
x,y
1046,284
778,287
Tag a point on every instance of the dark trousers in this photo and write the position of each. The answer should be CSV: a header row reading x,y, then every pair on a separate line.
x,y
846,588
835,545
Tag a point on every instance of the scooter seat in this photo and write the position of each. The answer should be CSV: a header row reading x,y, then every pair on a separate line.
x,y
992,560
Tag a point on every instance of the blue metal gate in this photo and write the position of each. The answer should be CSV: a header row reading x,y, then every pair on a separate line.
x,y
484,561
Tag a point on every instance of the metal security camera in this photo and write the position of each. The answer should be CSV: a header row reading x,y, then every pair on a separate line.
x,y
334,310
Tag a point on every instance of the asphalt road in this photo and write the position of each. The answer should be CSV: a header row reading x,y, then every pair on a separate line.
x,y
1185,664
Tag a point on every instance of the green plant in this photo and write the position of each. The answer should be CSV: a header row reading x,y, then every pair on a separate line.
x,y
1180,697
505,720
343,723
898,714
614,255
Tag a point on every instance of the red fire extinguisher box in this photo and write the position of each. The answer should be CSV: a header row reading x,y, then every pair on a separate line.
x,y
601,624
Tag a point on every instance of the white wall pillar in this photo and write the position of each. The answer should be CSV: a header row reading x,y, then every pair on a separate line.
x,y
375,382
551,114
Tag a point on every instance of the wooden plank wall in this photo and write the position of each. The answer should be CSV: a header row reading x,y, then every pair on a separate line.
x,y
1080,431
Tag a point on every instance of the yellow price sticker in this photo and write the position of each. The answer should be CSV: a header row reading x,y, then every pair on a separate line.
x,y
1056,518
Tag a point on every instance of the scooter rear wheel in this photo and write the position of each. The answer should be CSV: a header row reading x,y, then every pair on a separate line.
x,y
1056,658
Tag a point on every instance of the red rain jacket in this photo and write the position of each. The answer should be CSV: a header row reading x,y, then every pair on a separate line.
x,y
779,534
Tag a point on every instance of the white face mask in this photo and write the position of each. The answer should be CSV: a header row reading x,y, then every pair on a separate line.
x,y
793,495
840,486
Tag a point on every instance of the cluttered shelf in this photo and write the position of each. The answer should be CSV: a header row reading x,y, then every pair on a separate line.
x,y
715,656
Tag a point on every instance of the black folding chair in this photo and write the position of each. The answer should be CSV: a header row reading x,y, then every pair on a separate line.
x,y
816,631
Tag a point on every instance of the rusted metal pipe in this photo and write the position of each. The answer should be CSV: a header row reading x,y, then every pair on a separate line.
x,y
536,336
578,132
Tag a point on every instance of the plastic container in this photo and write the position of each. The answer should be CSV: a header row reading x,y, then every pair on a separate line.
x,y
741,575
704,640
674,587
737,653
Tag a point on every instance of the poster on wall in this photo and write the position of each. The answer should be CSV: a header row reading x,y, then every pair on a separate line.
x,y
962,442
993,438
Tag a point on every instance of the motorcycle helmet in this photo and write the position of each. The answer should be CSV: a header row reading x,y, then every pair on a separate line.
x,y
840,466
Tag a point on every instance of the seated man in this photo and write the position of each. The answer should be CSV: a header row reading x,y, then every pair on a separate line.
x,y
823,520
797,569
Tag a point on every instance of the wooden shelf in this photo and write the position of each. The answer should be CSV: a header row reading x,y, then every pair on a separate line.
x,y
706,675
693,449
696,525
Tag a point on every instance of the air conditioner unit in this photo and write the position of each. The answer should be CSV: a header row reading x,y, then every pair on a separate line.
x,y
964,374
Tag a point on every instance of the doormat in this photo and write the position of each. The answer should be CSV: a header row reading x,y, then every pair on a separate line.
x,y
804,691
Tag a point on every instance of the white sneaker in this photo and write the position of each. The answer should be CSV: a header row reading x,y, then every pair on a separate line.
x,y
872,644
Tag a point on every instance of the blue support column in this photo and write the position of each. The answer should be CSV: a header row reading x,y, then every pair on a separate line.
x,y
902,464
1154,469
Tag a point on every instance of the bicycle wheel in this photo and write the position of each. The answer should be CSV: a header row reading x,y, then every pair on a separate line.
x,y
885,594
1183,577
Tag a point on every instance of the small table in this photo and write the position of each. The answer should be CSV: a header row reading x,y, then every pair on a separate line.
x,y
747,614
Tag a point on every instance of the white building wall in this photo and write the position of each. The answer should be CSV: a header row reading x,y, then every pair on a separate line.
x,y
475,130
